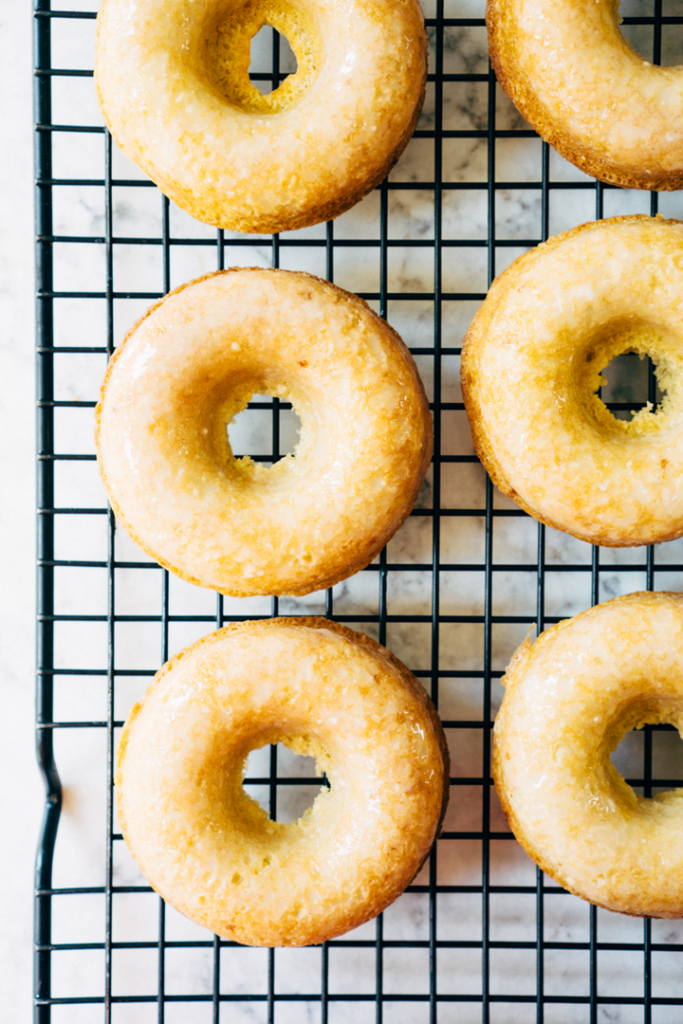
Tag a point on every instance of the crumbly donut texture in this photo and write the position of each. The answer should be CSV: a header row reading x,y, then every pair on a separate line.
x,y
531,368
569,700
326,692
570,72
172,77
193,363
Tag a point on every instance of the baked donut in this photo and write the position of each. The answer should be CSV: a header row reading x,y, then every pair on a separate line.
x,y
569,700
192,363
531,369
570,72
172,77
324,691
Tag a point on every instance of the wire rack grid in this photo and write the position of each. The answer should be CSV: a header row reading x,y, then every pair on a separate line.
x,y
481,935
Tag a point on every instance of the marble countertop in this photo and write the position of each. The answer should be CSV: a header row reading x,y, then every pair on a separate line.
x,y
79,850
20,792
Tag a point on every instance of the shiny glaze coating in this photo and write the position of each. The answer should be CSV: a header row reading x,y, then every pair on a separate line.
x,y
531,369
172,77
193,363
569,700
572,75
326,692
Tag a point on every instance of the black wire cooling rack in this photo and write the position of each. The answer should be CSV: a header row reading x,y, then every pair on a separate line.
x,y
485,936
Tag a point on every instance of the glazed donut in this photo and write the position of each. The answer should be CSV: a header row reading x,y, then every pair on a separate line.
x,y
569,700
172,78
570,72
326,692
531,368
192,363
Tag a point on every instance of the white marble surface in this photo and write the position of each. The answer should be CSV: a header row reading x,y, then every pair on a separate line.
x,y
20,789
80,753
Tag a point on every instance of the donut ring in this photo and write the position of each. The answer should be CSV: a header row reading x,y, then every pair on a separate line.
x,y
172,78
192,363
531,368
570,72
326,692
569,700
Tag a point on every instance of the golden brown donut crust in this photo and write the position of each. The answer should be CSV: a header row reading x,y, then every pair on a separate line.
x,y
327,692
172,78
570,698
531,368
570,72
191,364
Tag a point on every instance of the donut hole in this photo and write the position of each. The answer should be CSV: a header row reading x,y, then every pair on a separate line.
x,y
267,430
629,375
632,385
628,759
262,56
272,60
649,756
285,784
641,37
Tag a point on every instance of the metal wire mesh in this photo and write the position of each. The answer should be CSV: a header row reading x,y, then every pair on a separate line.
x,y
485,936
